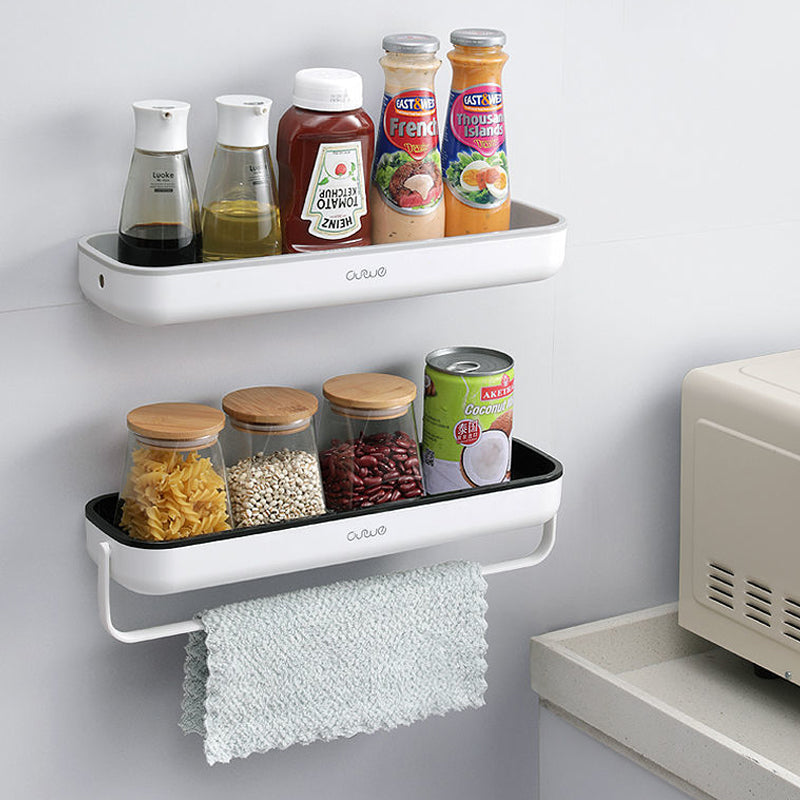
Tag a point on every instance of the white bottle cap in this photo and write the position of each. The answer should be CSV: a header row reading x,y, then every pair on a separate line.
x,y
243,120
161,125
327,89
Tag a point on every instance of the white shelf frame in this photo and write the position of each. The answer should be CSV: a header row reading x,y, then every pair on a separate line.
x,y
542,550
531,250
167,568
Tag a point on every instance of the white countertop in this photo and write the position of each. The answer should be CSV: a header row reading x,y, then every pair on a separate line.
x,y
684,708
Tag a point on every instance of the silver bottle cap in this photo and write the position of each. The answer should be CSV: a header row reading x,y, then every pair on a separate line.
x,y
410,43
478,37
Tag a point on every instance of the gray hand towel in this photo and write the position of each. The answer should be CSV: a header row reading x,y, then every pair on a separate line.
x,y
333,661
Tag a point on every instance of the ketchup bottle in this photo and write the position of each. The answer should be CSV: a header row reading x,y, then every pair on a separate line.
x,y
325,149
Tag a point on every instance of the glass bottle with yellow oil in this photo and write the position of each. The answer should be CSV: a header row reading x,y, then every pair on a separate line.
x,y
240,214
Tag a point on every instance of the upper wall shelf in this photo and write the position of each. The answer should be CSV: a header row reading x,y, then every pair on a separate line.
x,y
531,250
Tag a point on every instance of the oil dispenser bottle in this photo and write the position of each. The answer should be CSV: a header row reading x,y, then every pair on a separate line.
x,y
160,218
240,214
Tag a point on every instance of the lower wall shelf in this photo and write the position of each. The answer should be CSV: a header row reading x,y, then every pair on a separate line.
x,y
532,497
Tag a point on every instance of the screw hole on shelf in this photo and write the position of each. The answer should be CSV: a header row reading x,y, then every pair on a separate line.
x,y
101,279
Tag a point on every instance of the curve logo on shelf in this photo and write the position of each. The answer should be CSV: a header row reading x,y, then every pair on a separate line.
x,y
366,274
366,533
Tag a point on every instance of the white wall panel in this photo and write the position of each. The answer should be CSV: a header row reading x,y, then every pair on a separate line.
x,y
640,121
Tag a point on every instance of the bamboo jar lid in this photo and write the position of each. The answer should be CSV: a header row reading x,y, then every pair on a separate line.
x,y
176,422
370,391
270,405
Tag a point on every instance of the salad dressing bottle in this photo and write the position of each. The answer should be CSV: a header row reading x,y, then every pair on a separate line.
x,y
159,222
240,213
406,190
474,158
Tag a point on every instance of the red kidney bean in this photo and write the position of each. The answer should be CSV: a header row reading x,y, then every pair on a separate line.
x,y
371,470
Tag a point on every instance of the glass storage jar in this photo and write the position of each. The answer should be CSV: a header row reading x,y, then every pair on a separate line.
x,y
173,485
368,438
271,455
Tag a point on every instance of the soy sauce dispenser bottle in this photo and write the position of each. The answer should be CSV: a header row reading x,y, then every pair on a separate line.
x,y
160,220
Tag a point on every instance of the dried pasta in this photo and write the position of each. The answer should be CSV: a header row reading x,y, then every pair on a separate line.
x,y
171,496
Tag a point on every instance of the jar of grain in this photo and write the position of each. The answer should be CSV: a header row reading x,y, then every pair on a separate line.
x,y
271,455
173,485
368,436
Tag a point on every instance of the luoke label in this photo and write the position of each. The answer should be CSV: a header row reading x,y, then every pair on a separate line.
x,y
467,422
474,160
162,181
336,198
407,169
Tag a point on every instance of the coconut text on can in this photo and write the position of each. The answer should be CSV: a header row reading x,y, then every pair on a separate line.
x,y
467,418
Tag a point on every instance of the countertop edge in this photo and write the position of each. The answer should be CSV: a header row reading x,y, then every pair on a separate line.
x,y
643,725
637,758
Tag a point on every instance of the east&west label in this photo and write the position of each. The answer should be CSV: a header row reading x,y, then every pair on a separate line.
x,y
474,160
407,168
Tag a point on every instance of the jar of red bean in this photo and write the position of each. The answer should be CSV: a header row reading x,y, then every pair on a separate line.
x,y
369,452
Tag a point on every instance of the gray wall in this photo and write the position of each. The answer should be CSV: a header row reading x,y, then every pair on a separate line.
x,y
665,132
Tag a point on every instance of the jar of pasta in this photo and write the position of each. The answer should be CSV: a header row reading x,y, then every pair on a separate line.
x,y
368,437
271,457
174,480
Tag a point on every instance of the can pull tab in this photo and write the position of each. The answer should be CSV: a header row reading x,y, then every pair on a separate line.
x,y
464,366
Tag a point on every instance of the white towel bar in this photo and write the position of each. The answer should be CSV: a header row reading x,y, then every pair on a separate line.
x,y
541,552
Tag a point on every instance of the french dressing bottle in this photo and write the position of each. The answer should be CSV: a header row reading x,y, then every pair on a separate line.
x,y
325,147
160,219
240,211
406,192
474,160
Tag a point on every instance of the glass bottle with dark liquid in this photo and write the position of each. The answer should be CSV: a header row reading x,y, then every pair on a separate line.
x,y
160,219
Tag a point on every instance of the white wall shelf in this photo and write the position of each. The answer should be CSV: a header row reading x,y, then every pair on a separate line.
x,y
531,498
531,250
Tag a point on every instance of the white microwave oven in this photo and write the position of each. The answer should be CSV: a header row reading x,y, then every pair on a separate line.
x,y
740,509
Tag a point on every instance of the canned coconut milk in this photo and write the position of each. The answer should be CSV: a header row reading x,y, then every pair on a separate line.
x,y
466,424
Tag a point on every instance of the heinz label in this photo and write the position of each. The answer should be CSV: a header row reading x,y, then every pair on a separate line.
x,y
408,169
474,158
336,198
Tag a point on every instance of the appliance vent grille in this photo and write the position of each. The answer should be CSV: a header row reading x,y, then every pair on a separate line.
x,y
758,602
791,619
720,585
750,597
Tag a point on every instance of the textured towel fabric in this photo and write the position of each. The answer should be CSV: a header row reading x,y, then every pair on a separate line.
x,y
333,661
